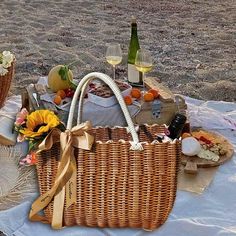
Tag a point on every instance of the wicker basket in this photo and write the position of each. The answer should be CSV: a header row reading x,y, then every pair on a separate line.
x,y
5,83
117,184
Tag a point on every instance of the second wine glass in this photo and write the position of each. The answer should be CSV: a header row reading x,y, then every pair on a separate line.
x,y
114,56
143,62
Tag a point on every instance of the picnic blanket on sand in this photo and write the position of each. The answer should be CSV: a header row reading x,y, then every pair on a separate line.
x,y
209,213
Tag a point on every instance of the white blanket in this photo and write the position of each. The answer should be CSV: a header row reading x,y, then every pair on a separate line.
x,y
208,214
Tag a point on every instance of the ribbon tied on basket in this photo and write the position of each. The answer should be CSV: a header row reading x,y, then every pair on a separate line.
x,y
65,181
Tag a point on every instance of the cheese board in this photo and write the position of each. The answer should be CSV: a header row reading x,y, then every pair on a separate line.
x,y
193,162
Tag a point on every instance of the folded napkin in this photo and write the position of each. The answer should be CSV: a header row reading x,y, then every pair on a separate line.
x,y
11,107
7,118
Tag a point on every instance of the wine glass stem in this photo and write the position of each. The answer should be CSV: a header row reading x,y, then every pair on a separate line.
x,y
143,80
114,72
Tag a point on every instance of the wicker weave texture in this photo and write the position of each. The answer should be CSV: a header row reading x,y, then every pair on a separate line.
x,y
5,83
118,187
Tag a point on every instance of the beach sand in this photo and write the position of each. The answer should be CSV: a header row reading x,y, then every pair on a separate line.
x,y
193,42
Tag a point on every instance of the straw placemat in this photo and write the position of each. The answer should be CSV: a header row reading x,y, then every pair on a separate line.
x,y
16,182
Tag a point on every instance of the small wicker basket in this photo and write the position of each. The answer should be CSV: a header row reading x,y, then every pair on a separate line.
x,y
117,183
5,83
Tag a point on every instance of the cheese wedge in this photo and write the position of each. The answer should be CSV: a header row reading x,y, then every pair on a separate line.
x,y
208,155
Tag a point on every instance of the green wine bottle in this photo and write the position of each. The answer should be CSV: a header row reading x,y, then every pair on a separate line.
x,y
134,76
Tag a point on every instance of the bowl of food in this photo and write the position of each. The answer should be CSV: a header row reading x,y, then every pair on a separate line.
x,y
102,95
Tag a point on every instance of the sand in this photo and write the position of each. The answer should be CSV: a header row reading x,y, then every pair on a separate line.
x,y
193,43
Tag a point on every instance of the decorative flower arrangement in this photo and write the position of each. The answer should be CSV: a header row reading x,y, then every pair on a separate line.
x,y
6,59
34,127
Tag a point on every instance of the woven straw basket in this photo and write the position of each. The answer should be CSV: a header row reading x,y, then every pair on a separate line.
x,y
125,180
5,83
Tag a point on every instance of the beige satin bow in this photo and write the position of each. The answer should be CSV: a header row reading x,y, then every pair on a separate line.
x,y
65,181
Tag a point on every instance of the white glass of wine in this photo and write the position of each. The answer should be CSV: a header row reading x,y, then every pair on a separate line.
x,y
143,62
114,56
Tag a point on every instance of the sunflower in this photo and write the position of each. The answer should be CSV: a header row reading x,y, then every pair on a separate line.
x,y
39,123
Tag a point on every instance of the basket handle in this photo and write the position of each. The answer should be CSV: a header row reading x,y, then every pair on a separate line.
x,y
81,101
135,145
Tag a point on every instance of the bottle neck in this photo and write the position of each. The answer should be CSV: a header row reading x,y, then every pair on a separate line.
x,y
134,30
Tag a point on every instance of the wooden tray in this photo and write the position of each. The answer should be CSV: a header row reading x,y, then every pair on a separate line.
x,y
191,163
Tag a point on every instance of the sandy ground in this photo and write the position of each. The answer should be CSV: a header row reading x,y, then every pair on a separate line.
x,y
193,42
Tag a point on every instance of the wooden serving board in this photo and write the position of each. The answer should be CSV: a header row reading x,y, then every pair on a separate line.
x,y
165,94
193,162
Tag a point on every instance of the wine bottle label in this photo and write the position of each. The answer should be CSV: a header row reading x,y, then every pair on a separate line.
x,y
133,74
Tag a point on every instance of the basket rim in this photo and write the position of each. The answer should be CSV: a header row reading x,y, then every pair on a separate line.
x,y
9,70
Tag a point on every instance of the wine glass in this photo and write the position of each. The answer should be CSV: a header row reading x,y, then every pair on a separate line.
x,y
143,62
114,56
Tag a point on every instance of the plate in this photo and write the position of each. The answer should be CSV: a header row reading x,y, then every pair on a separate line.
x,y
65,103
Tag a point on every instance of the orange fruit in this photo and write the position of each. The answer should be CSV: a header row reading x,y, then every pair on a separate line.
x,y
61,93
135,93
148,97
154,92
128,100
57,100
186,135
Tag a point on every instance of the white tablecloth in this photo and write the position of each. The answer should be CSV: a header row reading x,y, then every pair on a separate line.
x,y
208,214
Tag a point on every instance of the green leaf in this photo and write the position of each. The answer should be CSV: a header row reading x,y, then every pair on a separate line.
x,y
61,126
33,144
64,73
73,85
13,130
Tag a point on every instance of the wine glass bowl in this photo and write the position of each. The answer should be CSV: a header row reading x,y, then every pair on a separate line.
x,y
114,56
143,61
